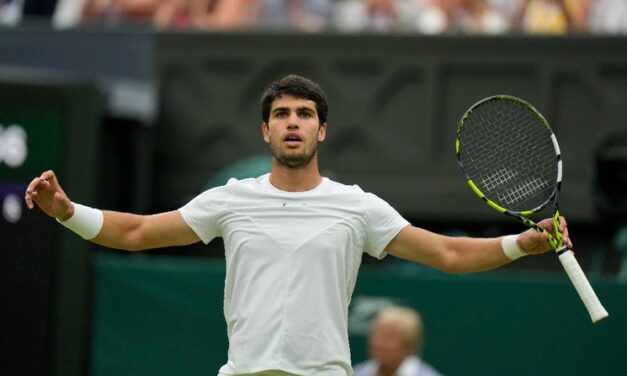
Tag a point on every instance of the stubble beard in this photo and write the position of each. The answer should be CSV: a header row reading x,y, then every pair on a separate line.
x,y
294,160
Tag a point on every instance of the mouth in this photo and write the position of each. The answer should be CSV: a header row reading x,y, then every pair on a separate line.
x,y
292,140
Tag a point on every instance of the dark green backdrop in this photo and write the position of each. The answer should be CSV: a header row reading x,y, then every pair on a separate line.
x,y
163,316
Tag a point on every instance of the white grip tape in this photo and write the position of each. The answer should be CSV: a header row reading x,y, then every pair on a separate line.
x,y
86,222
585,291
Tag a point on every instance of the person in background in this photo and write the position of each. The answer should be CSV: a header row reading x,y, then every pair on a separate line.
x,y
395,343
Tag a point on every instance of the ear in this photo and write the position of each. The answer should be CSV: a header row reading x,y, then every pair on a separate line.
x,y
265,129
322,132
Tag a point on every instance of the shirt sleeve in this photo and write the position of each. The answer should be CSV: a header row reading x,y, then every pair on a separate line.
x,y
382,225
202,214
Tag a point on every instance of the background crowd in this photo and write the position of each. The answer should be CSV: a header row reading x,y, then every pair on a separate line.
x,y
554,17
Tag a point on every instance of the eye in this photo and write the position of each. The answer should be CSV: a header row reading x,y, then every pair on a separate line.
x,y
280,114
306,114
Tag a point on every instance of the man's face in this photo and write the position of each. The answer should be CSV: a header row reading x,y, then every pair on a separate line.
x,y
386,344
293,131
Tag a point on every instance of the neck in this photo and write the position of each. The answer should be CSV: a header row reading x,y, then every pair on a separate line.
x,y
387,370
295,179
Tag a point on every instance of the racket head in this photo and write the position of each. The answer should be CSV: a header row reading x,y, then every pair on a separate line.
x,y
509,155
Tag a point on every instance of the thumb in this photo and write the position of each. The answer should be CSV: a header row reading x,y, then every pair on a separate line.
x,y
63,206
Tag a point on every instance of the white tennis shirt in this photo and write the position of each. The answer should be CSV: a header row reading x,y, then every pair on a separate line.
x,y
291,265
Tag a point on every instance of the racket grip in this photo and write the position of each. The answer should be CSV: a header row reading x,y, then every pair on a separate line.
x,y
585,291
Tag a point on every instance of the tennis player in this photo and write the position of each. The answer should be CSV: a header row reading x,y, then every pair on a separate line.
x,y
395,343
293,242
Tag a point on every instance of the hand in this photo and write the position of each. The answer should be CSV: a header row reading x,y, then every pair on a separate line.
x,y
46,192
533,242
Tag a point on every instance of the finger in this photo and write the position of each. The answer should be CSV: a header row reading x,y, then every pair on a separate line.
x,y
31,186
49,176
41,185
566,238
34,188
29,201
547,224
562,223
29,192
563,230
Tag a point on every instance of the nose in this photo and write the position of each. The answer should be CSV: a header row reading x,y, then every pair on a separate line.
x,y
292,121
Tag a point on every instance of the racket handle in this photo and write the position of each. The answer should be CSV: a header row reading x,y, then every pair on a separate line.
x,y
585,291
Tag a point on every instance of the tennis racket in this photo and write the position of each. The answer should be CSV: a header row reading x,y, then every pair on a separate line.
x,y
511,160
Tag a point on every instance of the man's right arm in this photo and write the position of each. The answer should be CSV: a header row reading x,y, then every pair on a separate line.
x,y
133,232
117,230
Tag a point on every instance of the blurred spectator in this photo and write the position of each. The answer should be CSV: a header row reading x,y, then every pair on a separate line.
x,y
306,15
309,15
350,16
554,17
473,16
118,11
363,15
396,339
382,15
205,14
577,14
68,13
11,12
543,17
434,16
606,16
480,17
423,16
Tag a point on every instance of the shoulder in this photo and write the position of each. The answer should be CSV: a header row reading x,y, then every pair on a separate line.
x,y
336,186
367,202
427,370
366,368
234,185
353,190
222,195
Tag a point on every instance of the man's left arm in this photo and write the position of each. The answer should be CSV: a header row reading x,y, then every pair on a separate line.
x,y
466,254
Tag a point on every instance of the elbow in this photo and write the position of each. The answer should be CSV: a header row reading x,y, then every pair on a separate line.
x,y
450,267
450,261
132,241
133,248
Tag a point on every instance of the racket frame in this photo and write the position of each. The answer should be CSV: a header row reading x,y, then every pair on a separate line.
x,y
571,266
523,216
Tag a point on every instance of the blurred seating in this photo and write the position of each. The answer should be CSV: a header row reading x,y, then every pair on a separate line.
x,y
552,17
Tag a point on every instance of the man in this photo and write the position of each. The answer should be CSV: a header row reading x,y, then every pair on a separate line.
x,y
395,338
293,242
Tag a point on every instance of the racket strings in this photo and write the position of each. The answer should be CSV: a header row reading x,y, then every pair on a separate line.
x,y
507,151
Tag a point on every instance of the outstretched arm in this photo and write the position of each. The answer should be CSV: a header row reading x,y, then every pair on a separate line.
x,y
464,254
118,230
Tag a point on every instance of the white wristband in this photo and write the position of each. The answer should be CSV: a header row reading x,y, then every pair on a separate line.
x,y
86,222
511,248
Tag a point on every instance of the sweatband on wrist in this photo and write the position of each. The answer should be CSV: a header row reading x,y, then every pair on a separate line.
x,y
86,222
511,248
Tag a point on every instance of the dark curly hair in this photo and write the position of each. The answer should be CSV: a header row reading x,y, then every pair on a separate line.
x,y
299,87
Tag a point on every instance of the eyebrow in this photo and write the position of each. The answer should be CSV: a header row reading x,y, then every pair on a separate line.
x,y
301,108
